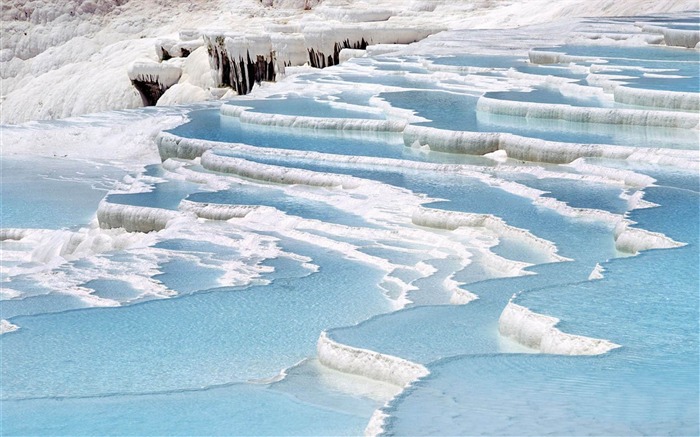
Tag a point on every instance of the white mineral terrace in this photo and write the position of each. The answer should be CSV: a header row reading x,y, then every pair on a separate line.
x,y
539,332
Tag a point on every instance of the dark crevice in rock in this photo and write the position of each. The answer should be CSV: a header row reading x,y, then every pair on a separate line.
x,y
164,55
150,91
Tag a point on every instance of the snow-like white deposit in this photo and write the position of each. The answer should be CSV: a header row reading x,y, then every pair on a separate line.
x,y
597,272
682,38
628,178
589,114
164,75
448,141
133,218
242,60
375,426
373,365
152,79
660,99
451,220
216,211
242,43
123,138
545,57
537,150
634,240
307,122
324,42
275,174
61,59
167,48
12,233
6,327
172,144
539,332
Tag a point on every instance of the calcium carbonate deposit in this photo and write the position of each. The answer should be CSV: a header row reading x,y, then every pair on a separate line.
x,y
306,217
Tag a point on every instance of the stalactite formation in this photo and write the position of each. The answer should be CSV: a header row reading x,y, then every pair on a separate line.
x,y
150,91
242,60
242,73
152,79
318,59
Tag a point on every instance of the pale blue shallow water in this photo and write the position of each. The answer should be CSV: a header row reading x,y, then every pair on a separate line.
x,y
464,117
294,105
173,355
548,95
581,194
34,191
429,333
202,339
237,409
394,80
482,61
649,52
113,289
689,18
683,26
561,130
310,209
648,304
462,194
550,70
388,63
210,125
672,61
199,363
166,194
38,304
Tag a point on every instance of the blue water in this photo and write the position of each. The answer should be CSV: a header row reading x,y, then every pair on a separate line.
x,y
648,304
461,194
670,60
237,409
222,336
536,395
353,96
166,195
393,64
34,191
184,276
397,80
38,304
683,26
482,61
429,333
654,53
549,70
113,289
293,105
581,194
592,133
688,17
464,117
432,104
255,195
207,360
208,124
547,95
